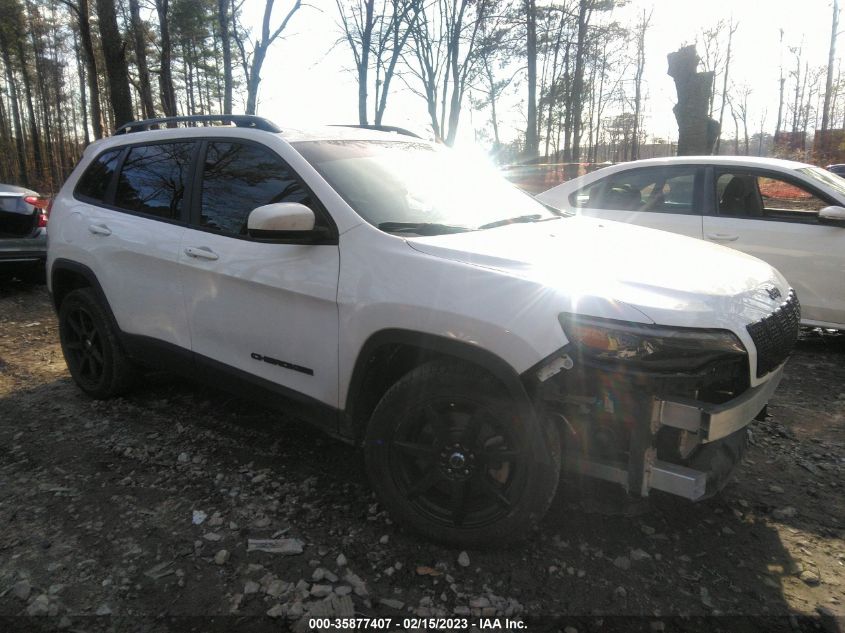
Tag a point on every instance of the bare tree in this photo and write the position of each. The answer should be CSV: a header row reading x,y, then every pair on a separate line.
x,y
828,87
165,77
226,45
115,58
782,82
376,39
259,50
145,90
642,27
731,30
444,49
532,141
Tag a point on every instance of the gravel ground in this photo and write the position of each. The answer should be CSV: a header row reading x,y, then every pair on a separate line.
x,y
154,512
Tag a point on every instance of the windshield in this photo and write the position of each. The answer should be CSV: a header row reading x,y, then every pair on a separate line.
x,y
402,186
837,183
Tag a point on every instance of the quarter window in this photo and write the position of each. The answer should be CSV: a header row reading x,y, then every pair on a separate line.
x,y
153,179
657,190
239,177
95,181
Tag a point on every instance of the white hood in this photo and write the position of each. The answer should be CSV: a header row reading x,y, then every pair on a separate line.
x,y
670,279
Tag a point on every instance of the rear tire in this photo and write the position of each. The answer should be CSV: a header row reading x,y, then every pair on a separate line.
x,y
91,348
449,455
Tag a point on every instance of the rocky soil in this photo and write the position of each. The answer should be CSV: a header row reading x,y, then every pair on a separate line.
x,y
180,507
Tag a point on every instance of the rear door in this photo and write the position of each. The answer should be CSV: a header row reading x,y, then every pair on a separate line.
x,y
774,216
130,228
660,197
267,309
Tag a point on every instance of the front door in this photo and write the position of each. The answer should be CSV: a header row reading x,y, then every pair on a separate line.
x,y
265,309
775,217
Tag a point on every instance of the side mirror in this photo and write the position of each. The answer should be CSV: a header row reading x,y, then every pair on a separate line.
x,y
282,220
832,215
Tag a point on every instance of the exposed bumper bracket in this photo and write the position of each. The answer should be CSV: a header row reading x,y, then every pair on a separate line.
x,y
715,421
677,480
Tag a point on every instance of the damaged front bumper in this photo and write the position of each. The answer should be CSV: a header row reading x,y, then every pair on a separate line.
x,y
713,433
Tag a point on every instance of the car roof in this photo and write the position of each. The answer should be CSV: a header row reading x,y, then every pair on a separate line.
x,y
289,134
733,161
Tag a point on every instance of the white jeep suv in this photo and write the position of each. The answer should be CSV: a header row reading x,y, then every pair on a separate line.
x,y
472,340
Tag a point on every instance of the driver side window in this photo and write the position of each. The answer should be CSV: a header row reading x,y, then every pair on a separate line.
x,y
748,195
237,178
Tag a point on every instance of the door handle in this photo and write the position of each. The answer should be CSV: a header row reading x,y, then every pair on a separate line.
x,y
201,252
722,237
99,229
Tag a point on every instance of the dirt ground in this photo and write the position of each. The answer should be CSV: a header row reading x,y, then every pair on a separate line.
x,y
136,514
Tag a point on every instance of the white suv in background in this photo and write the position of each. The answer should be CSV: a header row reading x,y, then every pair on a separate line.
x,y
472,340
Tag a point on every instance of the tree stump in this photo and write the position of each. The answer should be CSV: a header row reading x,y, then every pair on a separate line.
x,y
697,132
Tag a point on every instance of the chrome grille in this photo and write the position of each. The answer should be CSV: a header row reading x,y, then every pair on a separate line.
x,y
774,336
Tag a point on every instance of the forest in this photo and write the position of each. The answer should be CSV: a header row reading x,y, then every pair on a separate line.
x,y
75,70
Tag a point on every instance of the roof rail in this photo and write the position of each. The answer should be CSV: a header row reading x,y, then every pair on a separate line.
x,y
382,128
239,120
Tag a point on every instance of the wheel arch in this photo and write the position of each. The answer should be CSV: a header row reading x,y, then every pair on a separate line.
x,y
389,354
67,275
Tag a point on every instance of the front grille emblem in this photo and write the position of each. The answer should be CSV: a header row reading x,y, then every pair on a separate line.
x,y
774,293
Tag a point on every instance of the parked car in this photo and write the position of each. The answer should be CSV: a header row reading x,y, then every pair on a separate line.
x,y
470,339
23,233
838,169
789,214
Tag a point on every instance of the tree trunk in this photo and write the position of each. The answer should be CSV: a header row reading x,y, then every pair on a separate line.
x,y
828,86
145,90
782,83
34,135
585,9
697,132
22,171
260,52
731,31
399,43
364,64
116,69
83,15
165,78
223,21
553,87
83,99
532,143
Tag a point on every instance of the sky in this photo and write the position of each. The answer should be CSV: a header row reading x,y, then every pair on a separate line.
x,y
307,77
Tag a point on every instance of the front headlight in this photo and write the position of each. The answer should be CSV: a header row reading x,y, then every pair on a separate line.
x,y
652,345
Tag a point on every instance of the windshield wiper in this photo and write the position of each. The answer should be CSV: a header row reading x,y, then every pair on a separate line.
x,y
520,219
421,228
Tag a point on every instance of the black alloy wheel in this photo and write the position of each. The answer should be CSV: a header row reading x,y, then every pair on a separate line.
x,y
457,463
450,456
84,345
91,348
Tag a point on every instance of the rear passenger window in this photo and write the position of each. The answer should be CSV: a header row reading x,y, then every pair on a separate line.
x,y
153,179
651,189
95,181
239,177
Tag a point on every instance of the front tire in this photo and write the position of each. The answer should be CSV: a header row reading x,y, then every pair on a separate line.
x,y
94,356
449,455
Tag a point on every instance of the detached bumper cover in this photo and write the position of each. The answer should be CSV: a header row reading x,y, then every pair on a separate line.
x,y
716,421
